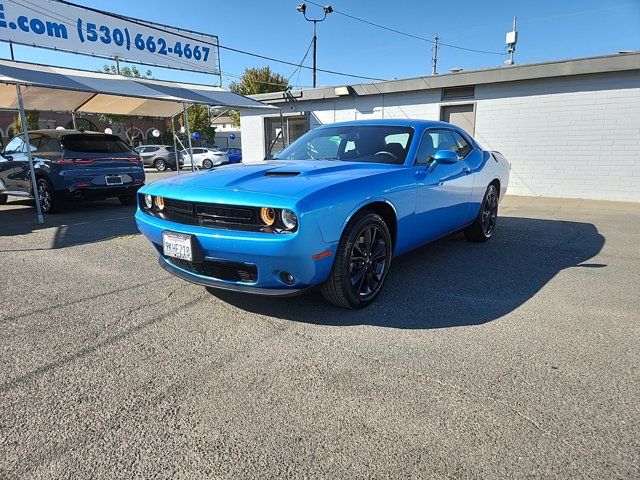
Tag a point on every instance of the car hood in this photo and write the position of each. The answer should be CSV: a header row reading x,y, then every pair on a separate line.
x,y
280,178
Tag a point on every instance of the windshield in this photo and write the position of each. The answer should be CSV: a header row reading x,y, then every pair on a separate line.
x,y
352,143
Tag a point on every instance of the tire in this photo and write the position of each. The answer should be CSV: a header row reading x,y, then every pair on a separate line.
x,y
361,264
3,199
50,201
484,225
208,164
127,199
160,164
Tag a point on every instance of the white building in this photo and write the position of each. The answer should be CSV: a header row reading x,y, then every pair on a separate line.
x,y
570,128
227,134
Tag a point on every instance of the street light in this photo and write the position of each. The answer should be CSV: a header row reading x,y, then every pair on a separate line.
x,y
302,8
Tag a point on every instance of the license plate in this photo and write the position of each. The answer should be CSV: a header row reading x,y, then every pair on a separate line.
x,y
113,180
177,245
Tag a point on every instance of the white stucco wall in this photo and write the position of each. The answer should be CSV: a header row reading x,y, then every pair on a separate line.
x,y
575,137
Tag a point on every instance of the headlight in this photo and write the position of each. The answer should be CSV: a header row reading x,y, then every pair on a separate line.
x,y
289,219
160,203
148,201
268,216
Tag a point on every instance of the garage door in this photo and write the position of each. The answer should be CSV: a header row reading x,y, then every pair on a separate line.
x,y
463,116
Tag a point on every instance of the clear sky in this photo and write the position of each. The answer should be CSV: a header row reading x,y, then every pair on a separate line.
x,y
548,30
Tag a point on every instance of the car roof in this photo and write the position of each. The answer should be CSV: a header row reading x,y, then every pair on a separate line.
x,y
393,122
61,133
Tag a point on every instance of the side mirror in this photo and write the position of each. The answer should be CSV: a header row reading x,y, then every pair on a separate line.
x,y
445,157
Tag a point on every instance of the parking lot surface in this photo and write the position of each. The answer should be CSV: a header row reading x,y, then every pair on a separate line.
x,y
511,359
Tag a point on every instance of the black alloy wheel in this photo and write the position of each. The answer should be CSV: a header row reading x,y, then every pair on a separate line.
x,y
484,226
368,261
49,202
361,264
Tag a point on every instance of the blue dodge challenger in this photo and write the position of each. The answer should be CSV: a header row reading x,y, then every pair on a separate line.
x,y
332,209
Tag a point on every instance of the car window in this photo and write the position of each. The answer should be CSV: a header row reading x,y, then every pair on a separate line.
x,y
16,145
463,147
94,144
432,141
49,146
139,149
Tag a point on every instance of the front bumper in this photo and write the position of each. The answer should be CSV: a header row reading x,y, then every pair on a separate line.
x,y
229,286
270,253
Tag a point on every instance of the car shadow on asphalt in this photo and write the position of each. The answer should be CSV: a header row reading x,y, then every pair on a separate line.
x,y
79,223
452,282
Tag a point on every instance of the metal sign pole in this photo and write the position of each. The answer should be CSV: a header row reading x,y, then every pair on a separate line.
x,y
186,125
25,130
175,146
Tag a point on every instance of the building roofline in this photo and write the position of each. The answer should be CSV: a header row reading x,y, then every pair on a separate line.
x,y
561,68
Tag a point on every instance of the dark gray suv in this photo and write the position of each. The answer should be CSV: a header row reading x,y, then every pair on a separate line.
x,y
160,157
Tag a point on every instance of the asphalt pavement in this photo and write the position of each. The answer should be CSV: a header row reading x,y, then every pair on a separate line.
x,y
517,358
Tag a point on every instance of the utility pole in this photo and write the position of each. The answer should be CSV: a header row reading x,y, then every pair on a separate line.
x,y
434,60
315,52
511,40
117,59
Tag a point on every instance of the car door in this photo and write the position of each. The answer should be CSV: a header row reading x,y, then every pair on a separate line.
x,y
8,165
443,191
148,155
17,176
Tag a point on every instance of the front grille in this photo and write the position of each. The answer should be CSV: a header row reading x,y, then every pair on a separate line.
x,y
209,215
220,269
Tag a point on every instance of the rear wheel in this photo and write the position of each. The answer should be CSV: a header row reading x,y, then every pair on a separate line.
x,y
160,165
3,199
208,164
127,199
50,201
484,225
361,264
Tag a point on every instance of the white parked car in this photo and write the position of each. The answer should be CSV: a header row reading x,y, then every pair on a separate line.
x,y
205,157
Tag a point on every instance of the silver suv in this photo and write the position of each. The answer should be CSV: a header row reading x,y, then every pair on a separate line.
x,y
160,157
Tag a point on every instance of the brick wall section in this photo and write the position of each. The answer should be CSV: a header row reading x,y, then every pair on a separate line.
x,y
573,137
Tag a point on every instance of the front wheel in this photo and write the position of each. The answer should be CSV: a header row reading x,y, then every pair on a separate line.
x,y
484,225
208,164
361,264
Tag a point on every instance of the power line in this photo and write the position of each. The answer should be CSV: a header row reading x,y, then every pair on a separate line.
x,y
301,61
218,45
410,35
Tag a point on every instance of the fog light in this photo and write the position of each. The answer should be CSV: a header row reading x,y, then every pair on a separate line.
x,y
160,203
287,278
148,201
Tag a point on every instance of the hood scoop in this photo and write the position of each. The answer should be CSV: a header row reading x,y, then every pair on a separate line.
x,y
281,173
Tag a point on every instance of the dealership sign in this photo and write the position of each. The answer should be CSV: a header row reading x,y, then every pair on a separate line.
x,y
68,27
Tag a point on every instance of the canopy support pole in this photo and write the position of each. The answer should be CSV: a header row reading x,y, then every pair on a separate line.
x,y
73,120
175,146
186,125
25,129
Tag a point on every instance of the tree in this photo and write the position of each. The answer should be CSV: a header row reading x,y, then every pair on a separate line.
x,y
129,125
200,122
32,122
255,81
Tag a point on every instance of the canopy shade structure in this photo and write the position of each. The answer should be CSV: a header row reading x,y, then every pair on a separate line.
x,y
64,89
